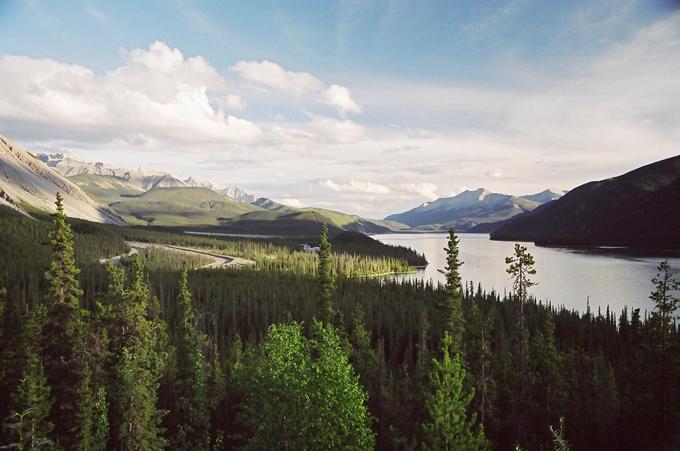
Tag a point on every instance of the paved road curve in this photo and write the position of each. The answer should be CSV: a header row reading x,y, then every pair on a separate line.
x,y
219,261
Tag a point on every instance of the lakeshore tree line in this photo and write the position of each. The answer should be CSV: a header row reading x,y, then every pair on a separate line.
x,y
153,356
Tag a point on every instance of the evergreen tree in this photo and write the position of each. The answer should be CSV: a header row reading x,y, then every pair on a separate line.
x,y
32,400
666,303
520,268
326,278
548,388
449,426
479,357
370,369
62,274
65,353
12,351
558,435
452,309
191,410
135,418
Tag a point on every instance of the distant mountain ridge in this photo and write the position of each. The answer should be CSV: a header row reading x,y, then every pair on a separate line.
x,y
470,208
342,221
135,179
638,208
26,182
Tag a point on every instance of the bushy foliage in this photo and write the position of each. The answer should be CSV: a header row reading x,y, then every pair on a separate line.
x,y
302,393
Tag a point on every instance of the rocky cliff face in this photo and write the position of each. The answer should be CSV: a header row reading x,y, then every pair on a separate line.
x,y
27,181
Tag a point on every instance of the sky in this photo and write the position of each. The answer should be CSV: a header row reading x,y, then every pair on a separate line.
x,y
370,107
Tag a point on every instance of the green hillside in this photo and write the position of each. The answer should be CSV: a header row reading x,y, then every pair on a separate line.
x,y
105,188
339,220
180,207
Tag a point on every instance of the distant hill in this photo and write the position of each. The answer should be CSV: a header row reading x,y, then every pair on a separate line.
x,y
26,183
544,196
271,205
639,208
469,209
180,207
343,221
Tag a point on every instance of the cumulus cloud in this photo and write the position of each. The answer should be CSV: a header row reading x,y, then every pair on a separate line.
x,y
426,190
355,187
235,102
291,202
340,98
271,75
157,93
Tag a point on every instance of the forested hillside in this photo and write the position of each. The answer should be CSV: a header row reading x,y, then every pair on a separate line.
x,y
639,208
299,353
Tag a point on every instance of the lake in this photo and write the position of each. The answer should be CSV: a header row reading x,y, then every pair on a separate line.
x,y
565,276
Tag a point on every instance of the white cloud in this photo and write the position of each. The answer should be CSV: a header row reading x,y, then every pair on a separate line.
x,y
272,76
335,130
340,98
235,102
319,130
426,190
291,202
494,174
355,187
157,93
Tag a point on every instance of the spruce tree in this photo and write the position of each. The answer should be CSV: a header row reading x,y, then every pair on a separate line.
x,y
65,353
449,426
191,412
452,308
135,418
62,274
32,400
666,303
12,350
326,279
520,268
479,356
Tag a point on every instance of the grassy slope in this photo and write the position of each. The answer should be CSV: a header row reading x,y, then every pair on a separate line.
x,y
104,188
333,218
181,207
202,207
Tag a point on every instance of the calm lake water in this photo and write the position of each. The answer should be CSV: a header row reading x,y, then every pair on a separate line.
x,y
566,276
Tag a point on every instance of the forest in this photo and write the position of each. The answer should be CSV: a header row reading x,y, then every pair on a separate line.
x,y
302,351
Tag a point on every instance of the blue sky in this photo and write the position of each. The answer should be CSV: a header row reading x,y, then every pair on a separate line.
x,y
365,106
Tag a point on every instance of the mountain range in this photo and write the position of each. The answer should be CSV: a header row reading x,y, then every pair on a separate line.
x,y
638,208
99,192
26,184
471,208
131,179
142,197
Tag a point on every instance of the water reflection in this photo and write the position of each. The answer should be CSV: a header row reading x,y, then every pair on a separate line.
x,y
605,276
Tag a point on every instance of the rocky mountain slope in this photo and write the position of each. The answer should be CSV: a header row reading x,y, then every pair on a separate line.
x,y
470,208
27,182
639,208
130,179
